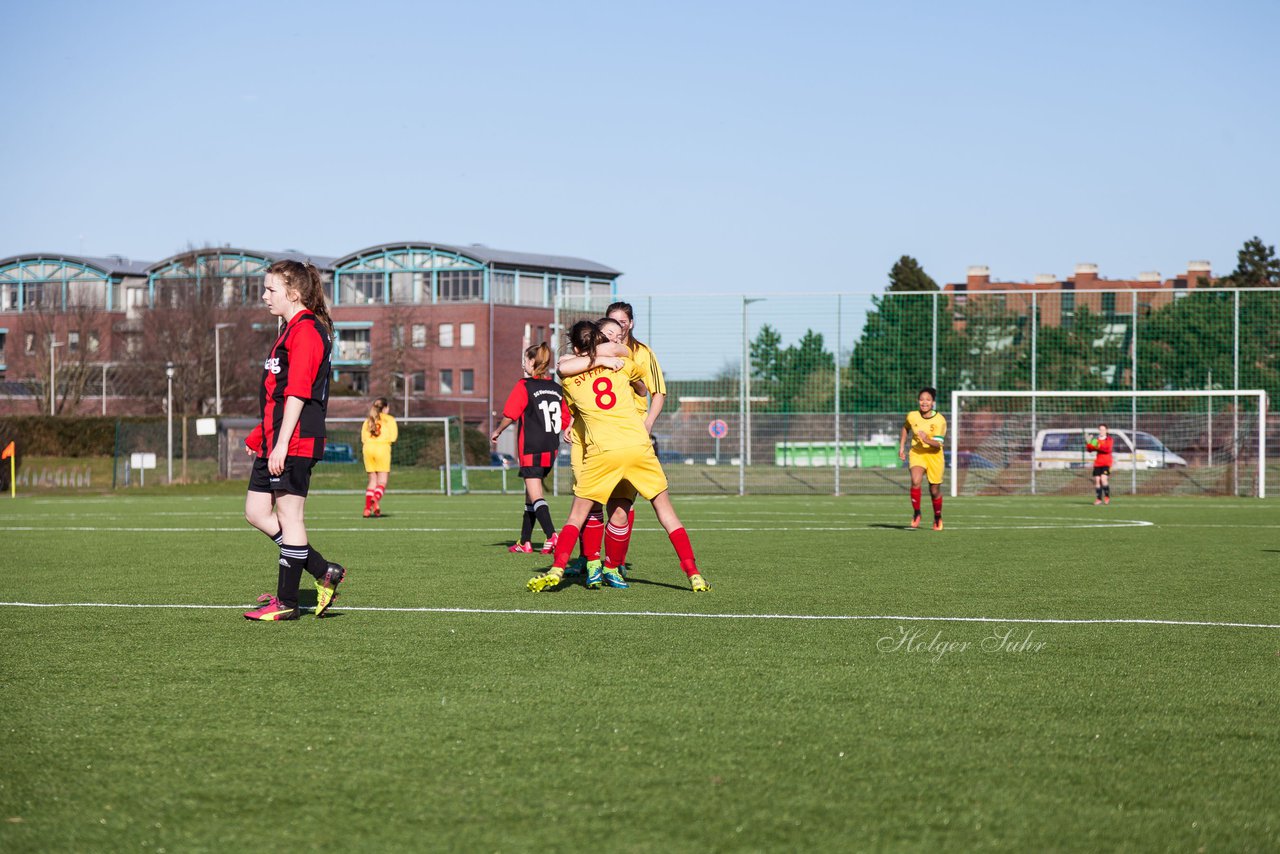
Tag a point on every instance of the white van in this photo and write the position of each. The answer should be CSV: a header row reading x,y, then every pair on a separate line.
x,y
1064,448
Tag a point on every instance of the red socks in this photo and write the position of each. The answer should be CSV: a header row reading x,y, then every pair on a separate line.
x,y
368,500
915,500
616,541
593,535
378,492
565,541
937,507
684,551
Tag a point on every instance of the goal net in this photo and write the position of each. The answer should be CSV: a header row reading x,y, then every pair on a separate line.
x,y
1165,442
428,455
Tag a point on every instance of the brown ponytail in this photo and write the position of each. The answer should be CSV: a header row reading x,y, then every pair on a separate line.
x,y
374,420
540,355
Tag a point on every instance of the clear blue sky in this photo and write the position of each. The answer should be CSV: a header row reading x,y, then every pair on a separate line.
x,y
697,146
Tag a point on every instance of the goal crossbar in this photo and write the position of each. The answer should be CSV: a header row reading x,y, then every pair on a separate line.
x,y
1260,394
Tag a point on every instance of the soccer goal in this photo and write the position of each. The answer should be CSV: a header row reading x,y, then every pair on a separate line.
x,y
1210,442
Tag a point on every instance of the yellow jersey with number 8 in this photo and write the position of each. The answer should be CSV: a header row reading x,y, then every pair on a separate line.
x,y
603,399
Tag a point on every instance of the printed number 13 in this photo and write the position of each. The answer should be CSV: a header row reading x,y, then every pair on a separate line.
x,y
551,415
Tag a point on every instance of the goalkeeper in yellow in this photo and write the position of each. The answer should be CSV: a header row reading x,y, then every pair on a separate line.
x,y
617,449
927,429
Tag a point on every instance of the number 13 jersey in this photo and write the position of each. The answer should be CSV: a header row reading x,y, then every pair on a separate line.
x,y
537,405
603,400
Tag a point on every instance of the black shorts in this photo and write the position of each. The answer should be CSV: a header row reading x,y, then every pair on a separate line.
x,y
294,480
1099,471
538,472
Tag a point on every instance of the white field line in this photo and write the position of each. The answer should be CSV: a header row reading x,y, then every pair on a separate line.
x,y
377,528
690,615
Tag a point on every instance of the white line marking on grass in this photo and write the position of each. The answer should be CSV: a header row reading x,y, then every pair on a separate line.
x,y
690,615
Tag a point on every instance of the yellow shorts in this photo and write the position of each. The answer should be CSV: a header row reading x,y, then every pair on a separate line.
x,y
603,471
377,457
933,464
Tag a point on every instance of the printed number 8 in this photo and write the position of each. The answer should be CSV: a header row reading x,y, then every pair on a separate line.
x,y
605,398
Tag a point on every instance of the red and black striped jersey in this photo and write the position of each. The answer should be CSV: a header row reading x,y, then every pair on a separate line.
x,y
537,406
299,366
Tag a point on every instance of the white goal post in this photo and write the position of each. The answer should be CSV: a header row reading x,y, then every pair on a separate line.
x,y
1033,448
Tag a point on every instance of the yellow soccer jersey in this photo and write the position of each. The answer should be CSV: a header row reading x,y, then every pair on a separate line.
x,y
934,426
388,431
651,373
603,400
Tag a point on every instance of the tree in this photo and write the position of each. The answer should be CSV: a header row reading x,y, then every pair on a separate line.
x,y
1256,267
907,275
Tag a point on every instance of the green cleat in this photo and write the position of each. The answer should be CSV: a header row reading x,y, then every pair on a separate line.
x,y
575,567
593,574
545,582
327,587
699,584
613,579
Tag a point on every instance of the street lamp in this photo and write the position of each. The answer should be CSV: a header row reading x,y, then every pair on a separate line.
x,y
105,365
53,384
168,372
217,367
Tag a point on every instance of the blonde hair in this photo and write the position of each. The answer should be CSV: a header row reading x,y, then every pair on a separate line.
x,y
304,278
540,355
375,416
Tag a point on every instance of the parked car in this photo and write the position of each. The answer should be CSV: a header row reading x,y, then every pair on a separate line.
x,y
502,461
339,452
970,460
1064,448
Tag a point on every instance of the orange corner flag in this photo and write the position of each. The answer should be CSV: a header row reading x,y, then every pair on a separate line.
x,y
7,452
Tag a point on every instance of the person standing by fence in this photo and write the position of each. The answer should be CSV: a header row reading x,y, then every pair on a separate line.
x,y
377,434
926,428
1101,445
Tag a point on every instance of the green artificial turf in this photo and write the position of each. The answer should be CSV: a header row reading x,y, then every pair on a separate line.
x,y
635,720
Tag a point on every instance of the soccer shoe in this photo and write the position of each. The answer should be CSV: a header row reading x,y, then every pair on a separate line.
x,y
327,587
377,510
1097,501
594,576
367,512
545,582
521,549
915,520
549,547
937,524
576,567
613,579
699,584
271,611
1106,499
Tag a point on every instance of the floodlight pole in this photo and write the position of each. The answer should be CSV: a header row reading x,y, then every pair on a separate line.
x,y
53,382
217,367
168,372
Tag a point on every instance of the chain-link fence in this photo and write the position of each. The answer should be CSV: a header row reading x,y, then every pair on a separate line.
x,y
831,376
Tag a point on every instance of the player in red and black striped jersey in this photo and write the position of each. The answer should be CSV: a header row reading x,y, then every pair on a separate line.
x,y
1101,445
536,405
289,438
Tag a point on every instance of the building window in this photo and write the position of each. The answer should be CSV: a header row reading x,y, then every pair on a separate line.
x,y
1068,309
460,285
3,336
31,343
468,381
419,335
361,288
352,345
397,336
419,380
1109,303
446,382
540,334
95,343
73,342
446,335
357,381
466,334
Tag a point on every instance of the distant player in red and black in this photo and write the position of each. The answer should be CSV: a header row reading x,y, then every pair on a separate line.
x,y
536,404
1101,445
289,438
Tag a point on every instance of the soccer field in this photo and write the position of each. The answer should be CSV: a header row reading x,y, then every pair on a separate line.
x,y
1042,675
